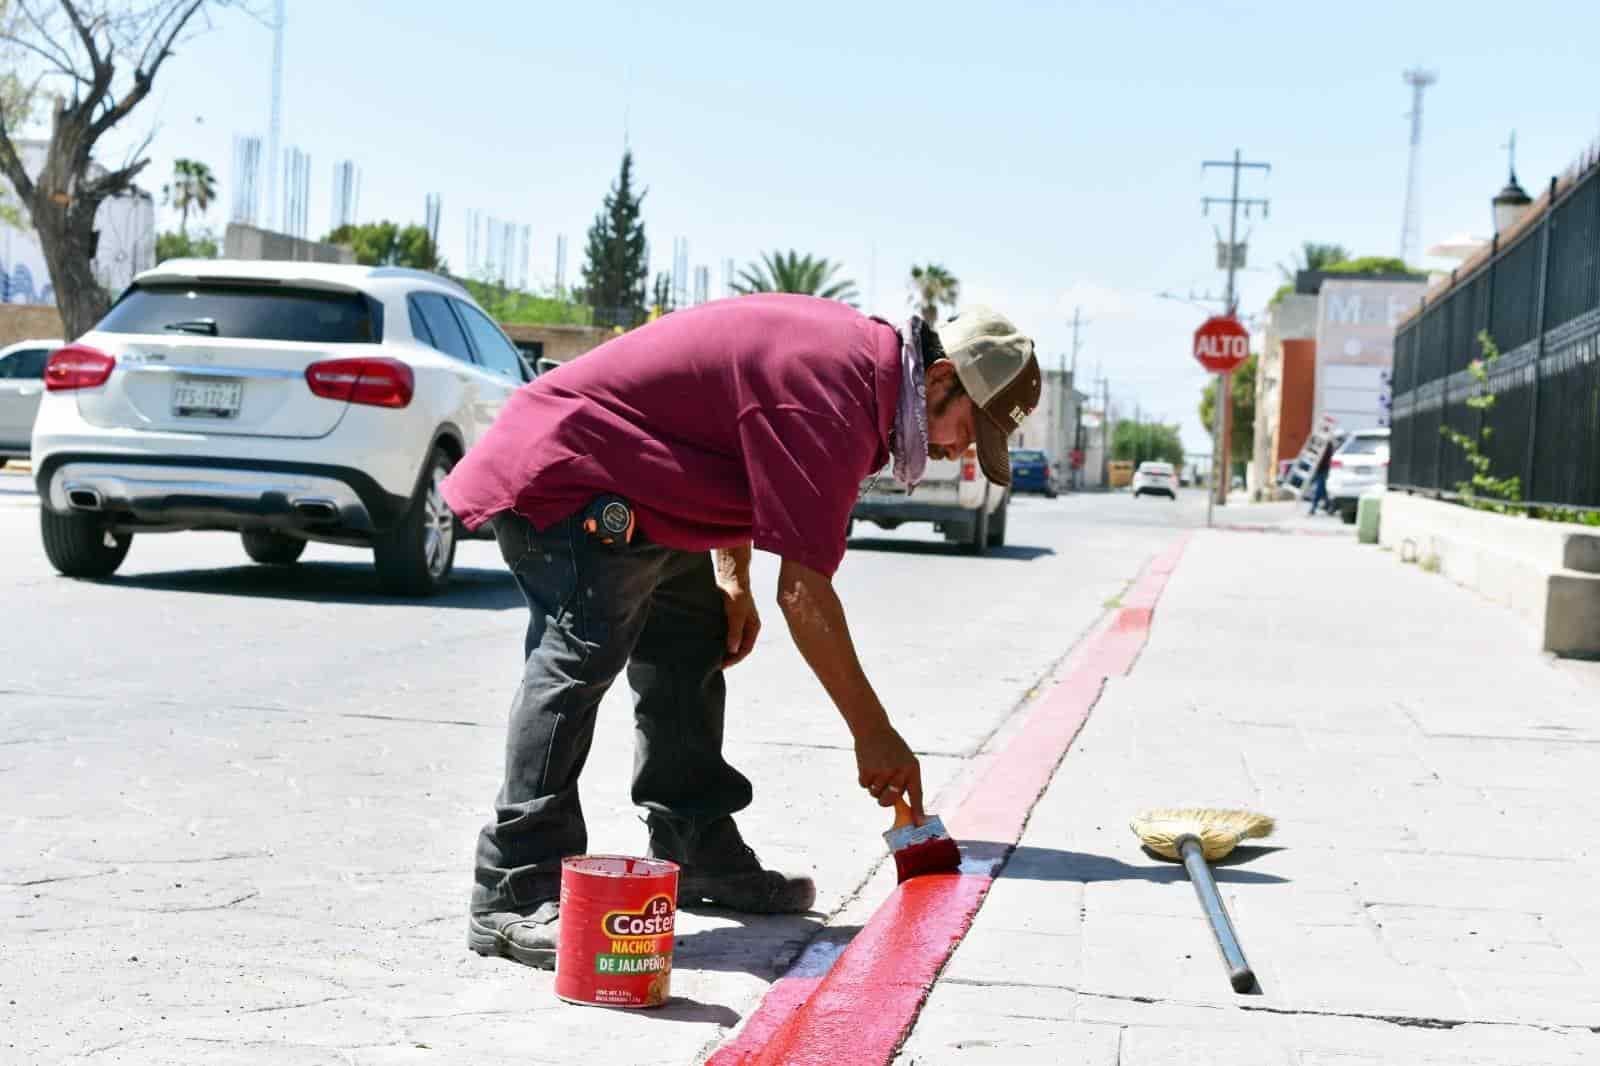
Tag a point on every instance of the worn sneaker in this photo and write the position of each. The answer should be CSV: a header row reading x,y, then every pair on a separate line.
x,y
717,866
528,937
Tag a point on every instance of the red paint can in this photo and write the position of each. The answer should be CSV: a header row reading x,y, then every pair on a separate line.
x,y
617,918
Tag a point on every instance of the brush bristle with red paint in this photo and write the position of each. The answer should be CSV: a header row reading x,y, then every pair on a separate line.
x,y
920,849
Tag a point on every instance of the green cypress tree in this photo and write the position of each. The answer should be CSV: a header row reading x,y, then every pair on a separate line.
x,y
615,271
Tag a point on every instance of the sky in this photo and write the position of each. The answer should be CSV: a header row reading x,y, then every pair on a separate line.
x,y
1047,154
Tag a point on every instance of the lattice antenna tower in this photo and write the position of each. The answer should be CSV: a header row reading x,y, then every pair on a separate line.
x,y
275,124
702,284
1411,224
561,265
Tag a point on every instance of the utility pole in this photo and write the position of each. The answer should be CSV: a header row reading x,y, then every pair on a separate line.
x,y
1231,258
1072,396
274,122
1105,430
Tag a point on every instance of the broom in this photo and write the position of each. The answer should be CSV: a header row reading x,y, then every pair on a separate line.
x,y
1196,836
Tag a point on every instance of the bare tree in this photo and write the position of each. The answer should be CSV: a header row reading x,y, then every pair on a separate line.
x,y
81,52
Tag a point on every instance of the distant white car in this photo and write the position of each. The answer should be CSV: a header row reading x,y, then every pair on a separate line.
x,y
286,401
1361,463
21,389
1156,479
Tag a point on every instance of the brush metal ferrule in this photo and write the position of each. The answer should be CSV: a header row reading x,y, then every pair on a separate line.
x,y
908,835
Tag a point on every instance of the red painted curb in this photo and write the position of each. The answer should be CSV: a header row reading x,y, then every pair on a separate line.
x,y
861,1010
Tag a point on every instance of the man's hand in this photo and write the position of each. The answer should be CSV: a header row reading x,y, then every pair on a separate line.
x,y
888,770
744,621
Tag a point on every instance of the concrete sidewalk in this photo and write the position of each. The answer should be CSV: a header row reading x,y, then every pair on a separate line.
x,y
1428,897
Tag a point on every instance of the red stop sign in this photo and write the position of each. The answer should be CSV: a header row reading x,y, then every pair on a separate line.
x,y
1221,344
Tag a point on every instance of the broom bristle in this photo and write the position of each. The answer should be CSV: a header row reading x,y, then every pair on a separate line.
x,y
1219,830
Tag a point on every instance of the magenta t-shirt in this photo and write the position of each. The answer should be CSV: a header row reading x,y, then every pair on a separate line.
x,y
749,420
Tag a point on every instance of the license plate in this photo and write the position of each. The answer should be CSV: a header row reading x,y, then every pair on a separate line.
x,y
206,397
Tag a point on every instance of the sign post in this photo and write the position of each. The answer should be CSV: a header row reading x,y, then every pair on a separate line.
x,y
1221,345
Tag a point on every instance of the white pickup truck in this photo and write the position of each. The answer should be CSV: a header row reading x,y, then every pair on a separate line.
x,y
953,494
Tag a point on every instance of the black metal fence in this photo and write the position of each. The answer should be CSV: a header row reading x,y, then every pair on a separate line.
x,y
1537,295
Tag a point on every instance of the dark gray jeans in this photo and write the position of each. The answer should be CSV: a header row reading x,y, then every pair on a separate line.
x,y
595,610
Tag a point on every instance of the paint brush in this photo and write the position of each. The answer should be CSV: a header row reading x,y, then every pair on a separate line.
x,y
920,849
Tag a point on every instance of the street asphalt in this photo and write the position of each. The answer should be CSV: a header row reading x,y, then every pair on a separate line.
x,y
241,801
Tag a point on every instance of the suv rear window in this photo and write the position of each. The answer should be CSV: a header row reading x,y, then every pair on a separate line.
x,y
1365,446
266,313
1027,457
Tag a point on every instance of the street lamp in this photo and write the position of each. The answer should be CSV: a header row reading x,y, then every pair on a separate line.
x,y
1513,201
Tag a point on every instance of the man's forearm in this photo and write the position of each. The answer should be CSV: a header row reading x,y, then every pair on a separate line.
x,y
817,622
733,566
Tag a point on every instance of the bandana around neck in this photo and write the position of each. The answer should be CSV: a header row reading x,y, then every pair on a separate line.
x,y
908,443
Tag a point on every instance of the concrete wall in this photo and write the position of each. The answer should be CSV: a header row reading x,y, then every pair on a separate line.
x,y
1548,573
26,322
561,344
252,242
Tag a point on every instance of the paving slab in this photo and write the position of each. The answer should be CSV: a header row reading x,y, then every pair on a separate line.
x,y
1426,898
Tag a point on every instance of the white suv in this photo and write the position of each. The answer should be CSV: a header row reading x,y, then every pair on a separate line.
x,y
286,401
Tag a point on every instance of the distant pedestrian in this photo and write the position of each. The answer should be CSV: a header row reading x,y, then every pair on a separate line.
x,y
1319,480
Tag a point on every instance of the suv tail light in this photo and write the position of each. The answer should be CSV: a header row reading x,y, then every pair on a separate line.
x,y
77,366
969,468
1337,464
375,382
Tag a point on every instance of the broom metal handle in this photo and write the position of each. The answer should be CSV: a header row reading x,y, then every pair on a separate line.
x,y
1205,886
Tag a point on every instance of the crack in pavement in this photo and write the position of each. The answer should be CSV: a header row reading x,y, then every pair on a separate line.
x,y
297,1006
409,718
1408,1021
55,880
209,907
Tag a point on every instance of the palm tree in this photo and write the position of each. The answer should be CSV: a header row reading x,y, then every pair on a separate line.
x,y
1314,256
193,187
931,286
793,272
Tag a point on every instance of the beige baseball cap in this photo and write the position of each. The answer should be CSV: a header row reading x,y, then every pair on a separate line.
x,y
997,367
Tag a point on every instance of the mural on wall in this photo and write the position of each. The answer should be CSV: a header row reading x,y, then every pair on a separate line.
x,y
127,226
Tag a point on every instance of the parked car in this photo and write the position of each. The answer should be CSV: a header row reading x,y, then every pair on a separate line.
x,y
21,389
954,495
1032,471
285,401
1360,463
1156,479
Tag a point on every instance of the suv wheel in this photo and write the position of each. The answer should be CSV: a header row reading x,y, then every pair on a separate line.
x,y
80,545
414,558
272,548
